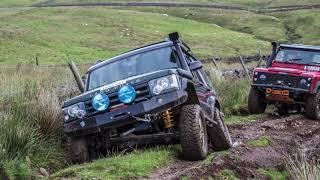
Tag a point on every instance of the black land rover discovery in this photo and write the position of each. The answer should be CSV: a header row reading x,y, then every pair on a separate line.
x,y
154,94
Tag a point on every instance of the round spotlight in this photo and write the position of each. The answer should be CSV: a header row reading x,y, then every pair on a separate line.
x,y
127,94
100,102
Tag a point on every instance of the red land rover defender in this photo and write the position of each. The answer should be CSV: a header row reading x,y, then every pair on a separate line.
x,y
291,81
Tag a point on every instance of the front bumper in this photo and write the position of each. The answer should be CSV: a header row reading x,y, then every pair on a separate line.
x,y
291,89
295,95
124,116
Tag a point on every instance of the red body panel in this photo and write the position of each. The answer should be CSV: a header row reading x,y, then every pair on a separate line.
x,y
291,69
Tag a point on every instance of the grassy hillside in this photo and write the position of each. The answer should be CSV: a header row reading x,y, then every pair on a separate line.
x,y
56,35
17,3
289,27
302,26
242,3
262,26
245,3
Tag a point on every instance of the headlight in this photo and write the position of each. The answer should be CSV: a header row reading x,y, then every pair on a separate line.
x,y
303,82
164,84
262,77
75,111
100,102
127,94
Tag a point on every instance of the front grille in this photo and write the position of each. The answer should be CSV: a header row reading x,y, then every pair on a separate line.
x,y
142,90
283,80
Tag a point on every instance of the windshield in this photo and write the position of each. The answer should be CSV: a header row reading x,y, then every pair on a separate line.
x,y
155,60
298,56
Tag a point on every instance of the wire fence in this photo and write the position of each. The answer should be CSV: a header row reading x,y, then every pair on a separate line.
x,y
211,60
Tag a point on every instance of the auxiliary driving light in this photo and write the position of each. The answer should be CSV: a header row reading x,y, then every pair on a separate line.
x,y
100,102
127,94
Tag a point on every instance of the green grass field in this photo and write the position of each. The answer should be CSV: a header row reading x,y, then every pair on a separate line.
x,y
17,3
56,35
265,27
287,27
245,3
302,26
139,163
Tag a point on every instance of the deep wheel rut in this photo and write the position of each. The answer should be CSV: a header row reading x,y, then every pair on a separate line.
x,y
287,137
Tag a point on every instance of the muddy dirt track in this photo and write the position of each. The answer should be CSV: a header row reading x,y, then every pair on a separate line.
x,y
287,135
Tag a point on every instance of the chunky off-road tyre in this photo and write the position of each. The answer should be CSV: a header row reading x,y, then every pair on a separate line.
x,y
219,135
78,149
193,133
256,102
283,110
313,106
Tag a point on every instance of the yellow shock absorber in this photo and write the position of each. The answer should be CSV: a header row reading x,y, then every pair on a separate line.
x,y
167,119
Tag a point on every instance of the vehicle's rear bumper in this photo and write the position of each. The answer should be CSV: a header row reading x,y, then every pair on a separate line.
x,y
124,116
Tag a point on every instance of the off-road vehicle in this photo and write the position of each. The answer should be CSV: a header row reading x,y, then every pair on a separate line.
x,y
154,94
291,81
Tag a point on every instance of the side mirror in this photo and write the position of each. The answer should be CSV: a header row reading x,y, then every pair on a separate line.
x,y
174,36
195,65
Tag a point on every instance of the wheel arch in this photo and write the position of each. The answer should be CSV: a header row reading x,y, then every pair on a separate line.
x,y
192,93
316,87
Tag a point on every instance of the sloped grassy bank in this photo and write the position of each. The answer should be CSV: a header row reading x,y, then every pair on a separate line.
x,y
30,131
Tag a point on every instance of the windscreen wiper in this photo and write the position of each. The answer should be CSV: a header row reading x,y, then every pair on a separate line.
x,y
295,59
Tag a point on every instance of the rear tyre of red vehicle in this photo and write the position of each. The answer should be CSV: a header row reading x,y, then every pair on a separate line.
x,y
256,102
78,149
283,110
193,133
219,135
313,106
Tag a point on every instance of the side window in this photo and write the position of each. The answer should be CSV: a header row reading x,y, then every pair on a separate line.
x,y
316,59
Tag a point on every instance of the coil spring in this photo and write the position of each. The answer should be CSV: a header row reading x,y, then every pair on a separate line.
x,y
167,117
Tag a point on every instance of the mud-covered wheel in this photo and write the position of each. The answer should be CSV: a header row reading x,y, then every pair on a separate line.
x,y
193,133
219,135
256,102
78,149
313,106
283,110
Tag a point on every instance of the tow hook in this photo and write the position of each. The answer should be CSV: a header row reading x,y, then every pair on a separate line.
x,y
147,118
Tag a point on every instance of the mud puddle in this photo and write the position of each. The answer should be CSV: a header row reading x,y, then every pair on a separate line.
x,y
261,145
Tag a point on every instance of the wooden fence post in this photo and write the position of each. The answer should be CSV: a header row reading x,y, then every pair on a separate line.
x,y
76,75
215,64
260,59
244,66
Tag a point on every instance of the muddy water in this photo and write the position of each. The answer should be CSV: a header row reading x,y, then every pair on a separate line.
x,y
288,136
